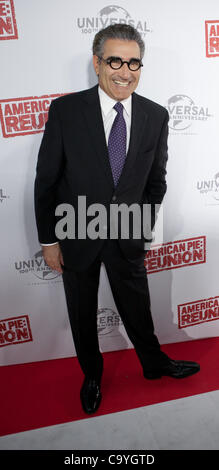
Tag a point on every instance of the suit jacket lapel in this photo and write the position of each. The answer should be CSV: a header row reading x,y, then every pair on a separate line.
x,y
93,117
139,118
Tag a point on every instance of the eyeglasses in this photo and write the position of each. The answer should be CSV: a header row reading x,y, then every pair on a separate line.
x,y
116,63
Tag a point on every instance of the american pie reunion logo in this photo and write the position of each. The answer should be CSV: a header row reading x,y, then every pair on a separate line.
x,y
8,26
176,254
15,330
200,311
22,116
212,38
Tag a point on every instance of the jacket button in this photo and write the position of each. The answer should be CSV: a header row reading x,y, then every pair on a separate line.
x,y
114,198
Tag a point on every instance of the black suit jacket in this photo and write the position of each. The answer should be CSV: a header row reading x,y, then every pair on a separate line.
x,y
73,160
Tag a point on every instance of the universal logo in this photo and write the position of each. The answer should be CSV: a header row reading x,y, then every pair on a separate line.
x,y
107,321
210,187
183,112
3,196
37,266
108,15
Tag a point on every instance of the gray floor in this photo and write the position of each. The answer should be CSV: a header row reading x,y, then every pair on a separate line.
x,y
187,423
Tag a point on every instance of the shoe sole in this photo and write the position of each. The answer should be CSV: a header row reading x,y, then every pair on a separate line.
x,y
154,376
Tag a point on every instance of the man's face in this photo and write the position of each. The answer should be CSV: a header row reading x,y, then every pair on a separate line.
x,y
118,84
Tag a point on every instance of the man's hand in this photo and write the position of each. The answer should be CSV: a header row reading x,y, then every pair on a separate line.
x,y
53,257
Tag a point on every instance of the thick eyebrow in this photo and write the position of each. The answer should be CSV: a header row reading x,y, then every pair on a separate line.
x,y
117,57
114,57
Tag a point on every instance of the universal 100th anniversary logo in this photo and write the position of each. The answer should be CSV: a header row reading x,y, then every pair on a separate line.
x,y
108,15
184,112
38,268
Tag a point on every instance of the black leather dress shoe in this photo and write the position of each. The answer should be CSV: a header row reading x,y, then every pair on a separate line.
x,y
176,369
90,395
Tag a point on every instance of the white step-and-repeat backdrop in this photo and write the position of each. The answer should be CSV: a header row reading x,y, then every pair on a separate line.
x,y
46,51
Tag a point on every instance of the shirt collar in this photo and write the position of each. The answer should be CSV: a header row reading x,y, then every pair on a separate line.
x,y
107,103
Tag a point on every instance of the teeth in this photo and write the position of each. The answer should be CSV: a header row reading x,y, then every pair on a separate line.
x,y
121,83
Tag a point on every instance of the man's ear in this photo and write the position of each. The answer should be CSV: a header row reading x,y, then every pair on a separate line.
x,y
96,64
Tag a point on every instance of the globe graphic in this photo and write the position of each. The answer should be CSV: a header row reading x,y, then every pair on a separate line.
x,y
177,120
102,327
114,11
46,273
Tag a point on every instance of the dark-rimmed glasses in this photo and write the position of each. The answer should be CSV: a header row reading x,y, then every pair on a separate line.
x,y
116,63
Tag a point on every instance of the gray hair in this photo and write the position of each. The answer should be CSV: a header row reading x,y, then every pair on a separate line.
x,y
117,31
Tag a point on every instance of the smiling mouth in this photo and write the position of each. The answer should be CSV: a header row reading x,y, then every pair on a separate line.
x,y
123,84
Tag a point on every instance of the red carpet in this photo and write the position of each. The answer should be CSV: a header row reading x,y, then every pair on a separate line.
x,y
45,393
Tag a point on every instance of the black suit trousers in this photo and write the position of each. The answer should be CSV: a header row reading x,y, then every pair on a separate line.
x,y
129,285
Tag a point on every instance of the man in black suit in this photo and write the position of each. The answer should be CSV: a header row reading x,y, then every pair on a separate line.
x,y
110,145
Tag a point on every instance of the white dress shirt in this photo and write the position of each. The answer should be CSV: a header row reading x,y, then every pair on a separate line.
x,y
108,115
